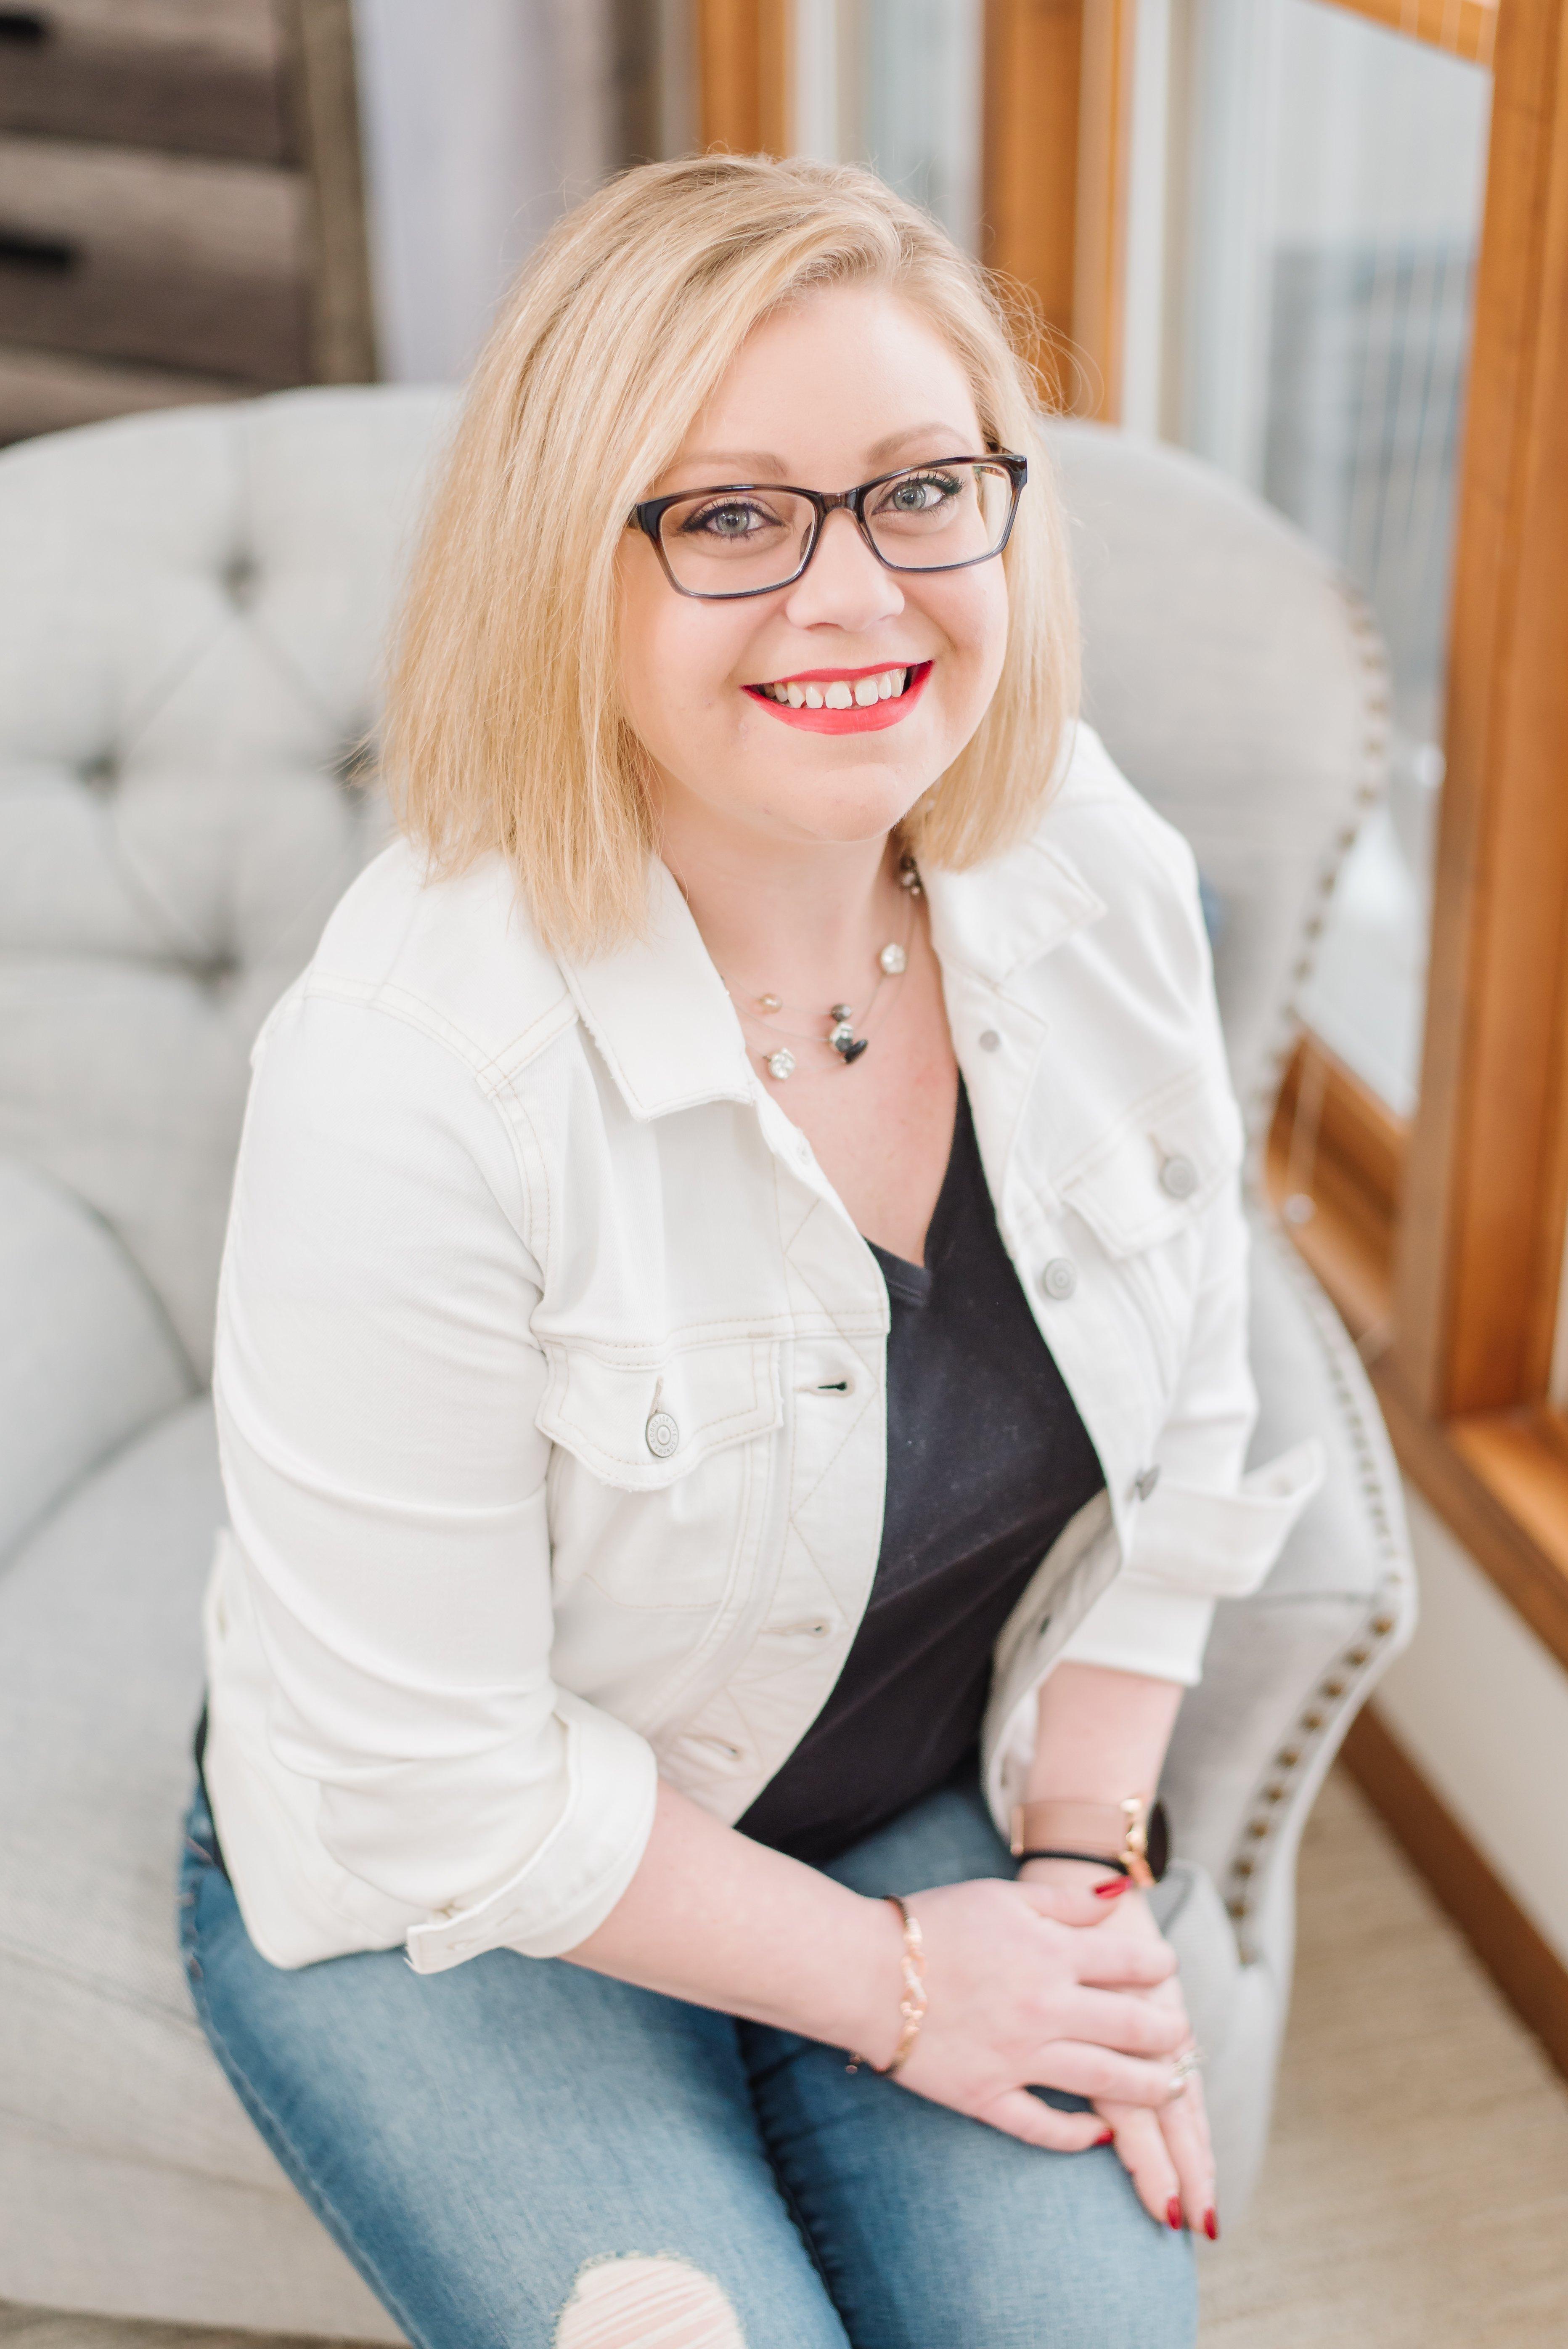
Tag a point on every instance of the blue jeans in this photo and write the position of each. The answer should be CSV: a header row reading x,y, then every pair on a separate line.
x,y
477,2141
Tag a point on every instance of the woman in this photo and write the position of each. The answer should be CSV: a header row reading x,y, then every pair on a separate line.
x,y
731,1226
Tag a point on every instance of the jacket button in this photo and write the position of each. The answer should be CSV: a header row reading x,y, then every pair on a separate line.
x,y
1059,1278
989,1039
1178,1176
663,1435
1145,1481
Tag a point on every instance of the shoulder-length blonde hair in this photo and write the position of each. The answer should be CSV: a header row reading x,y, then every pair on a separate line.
x,y
505,727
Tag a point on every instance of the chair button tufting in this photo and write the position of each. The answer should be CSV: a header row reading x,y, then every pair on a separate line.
x,y
1059,1278
1179,1177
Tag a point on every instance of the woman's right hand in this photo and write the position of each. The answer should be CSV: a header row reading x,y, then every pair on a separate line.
x,y
1024,1990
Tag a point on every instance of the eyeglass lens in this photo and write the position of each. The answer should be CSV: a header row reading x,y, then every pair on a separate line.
x,y
930,518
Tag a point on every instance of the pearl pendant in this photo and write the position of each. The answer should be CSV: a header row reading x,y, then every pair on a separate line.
x,y
770,1003
781,1064
893,960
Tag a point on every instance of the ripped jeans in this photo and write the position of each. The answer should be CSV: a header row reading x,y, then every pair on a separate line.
x,y
517,2154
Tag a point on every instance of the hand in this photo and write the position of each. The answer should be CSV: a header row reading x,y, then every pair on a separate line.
x,y
1027,1988
1166,2152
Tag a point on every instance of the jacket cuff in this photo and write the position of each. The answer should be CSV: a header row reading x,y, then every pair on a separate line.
x,y
1221,1545
573,1881
1142,1627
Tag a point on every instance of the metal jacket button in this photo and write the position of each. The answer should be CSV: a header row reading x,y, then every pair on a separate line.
x,y
1145,1481
989,1039
1059,1278
663,1435
1178,1176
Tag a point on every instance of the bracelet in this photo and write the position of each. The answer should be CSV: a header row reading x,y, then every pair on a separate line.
x,y
1094,1859
912,2006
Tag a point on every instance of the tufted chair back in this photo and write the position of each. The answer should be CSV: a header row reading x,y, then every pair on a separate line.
x,y
192,607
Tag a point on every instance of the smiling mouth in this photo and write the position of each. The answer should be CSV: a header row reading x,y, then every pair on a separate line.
x,y
843,701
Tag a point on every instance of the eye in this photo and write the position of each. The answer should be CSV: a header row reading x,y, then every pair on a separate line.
x,y
921,494
730,519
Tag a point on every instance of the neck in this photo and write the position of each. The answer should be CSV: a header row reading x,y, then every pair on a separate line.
x,y
802,921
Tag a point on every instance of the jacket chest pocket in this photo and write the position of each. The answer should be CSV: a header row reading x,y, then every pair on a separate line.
x,y
659,1490
1143,1192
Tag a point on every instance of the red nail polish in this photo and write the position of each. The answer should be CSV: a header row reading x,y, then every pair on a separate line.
x,y
1212,2226
1173,2213
1113,1888
1108,2137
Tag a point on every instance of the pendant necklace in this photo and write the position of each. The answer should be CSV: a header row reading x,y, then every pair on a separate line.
x,y
842,1039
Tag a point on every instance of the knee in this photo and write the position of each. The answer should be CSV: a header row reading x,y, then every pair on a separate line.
x,y
647,2303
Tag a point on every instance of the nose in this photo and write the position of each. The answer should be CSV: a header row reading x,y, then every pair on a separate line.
x,y
843,585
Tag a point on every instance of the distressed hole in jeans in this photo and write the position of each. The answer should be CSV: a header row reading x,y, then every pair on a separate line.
x,y
647,2303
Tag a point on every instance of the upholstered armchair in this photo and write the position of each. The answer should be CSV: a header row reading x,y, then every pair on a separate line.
x,y
192,607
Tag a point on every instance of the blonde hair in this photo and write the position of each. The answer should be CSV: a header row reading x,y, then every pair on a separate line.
x,y
504,726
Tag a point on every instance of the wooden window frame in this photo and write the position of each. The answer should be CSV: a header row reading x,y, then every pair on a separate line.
x,y
1466,28
1448,1274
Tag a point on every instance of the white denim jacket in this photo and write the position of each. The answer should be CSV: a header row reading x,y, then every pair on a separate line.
x,y
550,1377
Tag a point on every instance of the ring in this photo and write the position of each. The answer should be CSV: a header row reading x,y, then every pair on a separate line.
x,y
1189,2061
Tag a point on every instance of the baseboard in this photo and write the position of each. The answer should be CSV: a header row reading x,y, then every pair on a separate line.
x,y
1524,1966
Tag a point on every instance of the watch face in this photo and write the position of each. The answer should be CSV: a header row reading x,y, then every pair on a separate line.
x,y
1158,1853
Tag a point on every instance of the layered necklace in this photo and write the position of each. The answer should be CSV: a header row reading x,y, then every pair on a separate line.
x,y
847,1032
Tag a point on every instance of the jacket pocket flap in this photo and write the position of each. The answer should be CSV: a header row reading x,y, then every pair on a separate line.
x,y
641,1424
1163,1163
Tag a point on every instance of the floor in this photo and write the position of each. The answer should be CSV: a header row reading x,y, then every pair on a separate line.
x,y
1417,2193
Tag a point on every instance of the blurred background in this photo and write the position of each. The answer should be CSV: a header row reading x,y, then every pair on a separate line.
x,y
1309,242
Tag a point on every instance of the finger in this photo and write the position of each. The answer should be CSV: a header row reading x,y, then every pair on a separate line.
x,y
1110,2018
1066,1904
1084,2069
1017,2114
1184,2124
1122,1961
1144,2155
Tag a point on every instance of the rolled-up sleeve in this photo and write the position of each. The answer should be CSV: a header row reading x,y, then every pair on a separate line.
x,y
1208,1531
376,1387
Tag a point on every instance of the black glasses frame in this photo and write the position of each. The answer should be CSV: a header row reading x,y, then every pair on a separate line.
x,y
648,517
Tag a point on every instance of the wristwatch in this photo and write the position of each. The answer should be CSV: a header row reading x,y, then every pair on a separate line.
x,y
1130,1838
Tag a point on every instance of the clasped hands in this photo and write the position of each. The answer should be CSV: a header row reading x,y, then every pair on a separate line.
x,y
1050,1984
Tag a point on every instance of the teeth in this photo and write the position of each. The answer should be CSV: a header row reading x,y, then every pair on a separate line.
x,y
841,694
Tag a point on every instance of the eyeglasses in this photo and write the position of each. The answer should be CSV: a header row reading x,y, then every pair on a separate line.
x,y
750,539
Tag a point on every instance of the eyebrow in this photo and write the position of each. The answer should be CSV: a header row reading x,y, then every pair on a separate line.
x,y
762,463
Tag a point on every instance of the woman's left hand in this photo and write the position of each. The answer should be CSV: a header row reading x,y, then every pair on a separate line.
x,y
1165,2150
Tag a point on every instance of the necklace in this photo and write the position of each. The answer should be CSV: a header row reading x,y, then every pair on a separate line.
x,y
891,962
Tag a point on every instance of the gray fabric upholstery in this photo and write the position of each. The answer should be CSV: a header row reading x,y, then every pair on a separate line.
x,y
87,1356
1237,680
190,608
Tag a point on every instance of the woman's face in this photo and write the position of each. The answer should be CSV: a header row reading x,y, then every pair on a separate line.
x,y
848,384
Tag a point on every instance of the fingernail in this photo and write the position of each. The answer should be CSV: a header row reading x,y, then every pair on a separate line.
x,y
1108,2137
1173,2213
1113,1888
1212,2226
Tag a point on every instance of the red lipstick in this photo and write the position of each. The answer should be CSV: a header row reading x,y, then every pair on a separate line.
x,y
853,720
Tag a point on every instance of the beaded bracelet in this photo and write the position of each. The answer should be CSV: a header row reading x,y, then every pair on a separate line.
x,y
912,2006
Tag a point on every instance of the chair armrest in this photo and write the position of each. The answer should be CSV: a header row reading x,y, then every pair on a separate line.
x,y
1289,1669
86,1358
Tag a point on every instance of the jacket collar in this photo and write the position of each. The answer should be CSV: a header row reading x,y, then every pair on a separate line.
x,y
663,1020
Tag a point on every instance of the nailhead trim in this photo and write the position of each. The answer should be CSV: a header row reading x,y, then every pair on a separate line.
x,y
1360,1661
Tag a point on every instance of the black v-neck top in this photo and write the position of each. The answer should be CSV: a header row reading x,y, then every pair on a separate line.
x,y
988,1459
